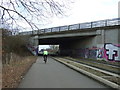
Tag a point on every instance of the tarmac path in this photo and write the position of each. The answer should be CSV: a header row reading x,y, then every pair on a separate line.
x,y
56,75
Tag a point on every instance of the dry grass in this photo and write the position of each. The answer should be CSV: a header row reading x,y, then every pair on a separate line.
x,y
16,59
14,72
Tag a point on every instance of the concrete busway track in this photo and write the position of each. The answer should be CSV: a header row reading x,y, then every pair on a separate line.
x,y
72,65
92,63
56,75
99,66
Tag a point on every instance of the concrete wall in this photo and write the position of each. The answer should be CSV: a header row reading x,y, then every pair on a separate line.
x,y
104,45
119,36
100,38
108,44
108,36
111,36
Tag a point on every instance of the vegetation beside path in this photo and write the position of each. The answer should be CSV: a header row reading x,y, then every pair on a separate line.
x,y
14,72
16,59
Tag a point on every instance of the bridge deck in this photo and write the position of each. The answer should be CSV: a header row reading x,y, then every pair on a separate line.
x,y
88,25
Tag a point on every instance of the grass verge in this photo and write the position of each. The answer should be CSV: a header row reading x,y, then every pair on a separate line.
x,y
13,73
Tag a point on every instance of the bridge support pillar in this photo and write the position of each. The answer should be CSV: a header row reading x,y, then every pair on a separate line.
x,y
108,45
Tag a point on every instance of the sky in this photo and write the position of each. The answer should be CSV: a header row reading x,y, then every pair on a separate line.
x,y
43,47
86,11
82,11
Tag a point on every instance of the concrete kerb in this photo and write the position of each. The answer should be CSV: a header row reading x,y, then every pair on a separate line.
x,y
104,81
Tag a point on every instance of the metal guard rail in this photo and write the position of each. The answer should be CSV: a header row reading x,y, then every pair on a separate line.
x,y
100,23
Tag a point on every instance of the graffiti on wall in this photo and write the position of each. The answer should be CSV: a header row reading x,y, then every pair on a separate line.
x,y
109,52
106,51
32,49
84,52
100,53
112,52
92,52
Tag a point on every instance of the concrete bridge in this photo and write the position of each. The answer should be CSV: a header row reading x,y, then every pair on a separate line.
x,y
96,40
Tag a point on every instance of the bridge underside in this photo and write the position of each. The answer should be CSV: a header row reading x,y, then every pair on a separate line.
x,y
95,44
70,45
62,40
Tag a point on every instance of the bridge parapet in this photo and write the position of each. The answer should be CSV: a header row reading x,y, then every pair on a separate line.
x,y
94,24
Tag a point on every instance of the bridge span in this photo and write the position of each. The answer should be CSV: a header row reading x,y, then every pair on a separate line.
x,y
96,40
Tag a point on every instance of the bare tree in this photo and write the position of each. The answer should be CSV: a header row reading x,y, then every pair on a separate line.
x,y
16,13
54,47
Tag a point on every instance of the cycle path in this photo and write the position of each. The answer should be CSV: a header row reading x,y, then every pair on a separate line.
x,y
56,75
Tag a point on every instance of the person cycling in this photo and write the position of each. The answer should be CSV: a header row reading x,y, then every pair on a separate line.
x,y
45,54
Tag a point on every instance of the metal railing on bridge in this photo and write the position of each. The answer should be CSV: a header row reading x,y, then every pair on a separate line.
x,y
100,23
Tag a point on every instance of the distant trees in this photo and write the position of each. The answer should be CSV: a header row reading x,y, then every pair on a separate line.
x,y
54,47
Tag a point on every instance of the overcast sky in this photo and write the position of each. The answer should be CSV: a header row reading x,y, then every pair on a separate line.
x,y
87,11
80,11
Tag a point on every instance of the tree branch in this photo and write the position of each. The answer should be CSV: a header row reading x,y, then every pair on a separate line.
x,y
19,15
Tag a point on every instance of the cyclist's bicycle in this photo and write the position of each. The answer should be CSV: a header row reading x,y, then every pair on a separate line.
x,y
45,58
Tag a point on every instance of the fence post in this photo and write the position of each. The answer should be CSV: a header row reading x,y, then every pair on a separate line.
x,y
68,27
91,24
59,29
44,30
79,26
51,29
106,22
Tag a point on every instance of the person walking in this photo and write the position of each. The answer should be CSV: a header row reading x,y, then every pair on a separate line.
x,y
45,54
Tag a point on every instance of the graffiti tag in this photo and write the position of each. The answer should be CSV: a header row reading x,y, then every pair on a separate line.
x,y
112,52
